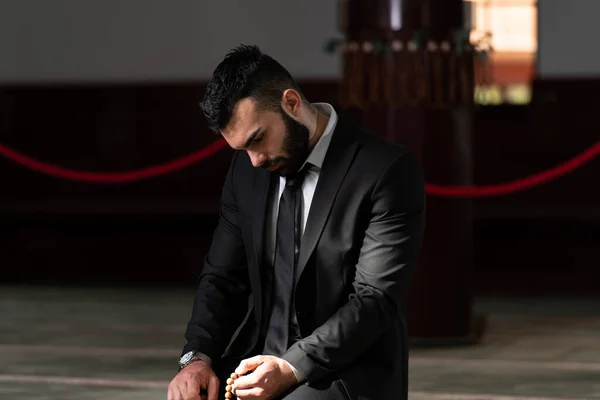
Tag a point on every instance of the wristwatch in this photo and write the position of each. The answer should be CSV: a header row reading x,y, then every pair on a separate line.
x,y
190,357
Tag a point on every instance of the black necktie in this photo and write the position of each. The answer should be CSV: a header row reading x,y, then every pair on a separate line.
x,y
287,249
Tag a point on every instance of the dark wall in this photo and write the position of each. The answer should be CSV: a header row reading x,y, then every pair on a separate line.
x,y
151,231
157,230
546,239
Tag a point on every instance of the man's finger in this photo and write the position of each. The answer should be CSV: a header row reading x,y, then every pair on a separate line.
x,y
249,364
191,390
213,388
250,393
174,393
246,381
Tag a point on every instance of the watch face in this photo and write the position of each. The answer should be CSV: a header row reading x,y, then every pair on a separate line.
x,y
186,357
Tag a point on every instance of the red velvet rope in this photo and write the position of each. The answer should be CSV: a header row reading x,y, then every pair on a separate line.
x,y
183,162
518,184
111,177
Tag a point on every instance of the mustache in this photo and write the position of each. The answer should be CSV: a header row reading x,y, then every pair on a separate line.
x,y
270,163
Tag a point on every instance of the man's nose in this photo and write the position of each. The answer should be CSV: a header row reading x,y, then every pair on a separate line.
x,y
256,158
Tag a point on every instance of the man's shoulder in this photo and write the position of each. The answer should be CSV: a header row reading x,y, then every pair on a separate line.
x,y
241,170
374,148
241,162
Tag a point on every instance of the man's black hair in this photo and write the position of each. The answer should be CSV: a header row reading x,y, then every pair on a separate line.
x,y
244,72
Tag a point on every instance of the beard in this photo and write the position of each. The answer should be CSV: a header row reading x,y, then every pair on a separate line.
x,y
295,146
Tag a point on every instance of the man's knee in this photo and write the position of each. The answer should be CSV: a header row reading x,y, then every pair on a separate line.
x,y
334,391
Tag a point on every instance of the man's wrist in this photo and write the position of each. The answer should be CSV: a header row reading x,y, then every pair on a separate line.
x,y
193,356
297,374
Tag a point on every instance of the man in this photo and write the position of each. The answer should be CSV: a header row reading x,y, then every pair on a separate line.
x,y
302,291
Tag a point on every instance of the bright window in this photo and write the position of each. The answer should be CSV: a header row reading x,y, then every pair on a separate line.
x,y
512,25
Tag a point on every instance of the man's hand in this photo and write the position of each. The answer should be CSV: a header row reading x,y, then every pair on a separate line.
x,y
189,381
270,377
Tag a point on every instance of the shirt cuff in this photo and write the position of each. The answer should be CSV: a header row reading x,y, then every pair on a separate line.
x,y
297,373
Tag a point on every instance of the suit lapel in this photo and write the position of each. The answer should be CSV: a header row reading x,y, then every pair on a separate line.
x,y
262,182
335,166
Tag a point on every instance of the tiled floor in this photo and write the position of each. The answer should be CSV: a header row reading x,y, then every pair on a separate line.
x,y
121,344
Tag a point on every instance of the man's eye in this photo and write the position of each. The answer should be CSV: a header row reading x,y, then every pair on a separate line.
x,y
259,138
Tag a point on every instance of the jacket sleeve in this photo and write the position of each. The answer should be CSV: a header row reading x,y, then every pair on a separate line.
x,y
387,259
223,285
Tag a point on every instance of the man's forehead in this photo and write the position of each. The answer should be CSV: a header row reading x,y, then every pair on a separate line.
x,y
243,117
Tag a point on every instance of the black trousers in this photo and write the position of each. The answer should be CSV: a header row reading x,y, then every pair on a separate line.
x,y
335,389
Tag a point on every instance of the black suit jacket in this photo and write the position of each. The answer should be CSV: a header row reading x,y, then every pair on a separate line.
x,y
358,252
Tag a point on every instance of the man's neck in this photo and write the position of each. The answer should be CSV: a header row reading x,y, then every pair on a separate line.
x,y
320,121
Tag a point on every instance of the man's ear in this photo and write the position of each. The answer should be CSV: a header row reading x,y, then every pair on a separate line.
x,y
291,102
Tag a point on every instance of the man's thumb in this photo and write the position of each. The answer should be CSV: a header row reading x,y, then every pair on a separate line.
x,y
249,364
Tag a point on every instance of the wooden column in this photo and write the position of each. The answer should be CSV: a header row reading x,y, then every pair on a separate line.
x,y
408,75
